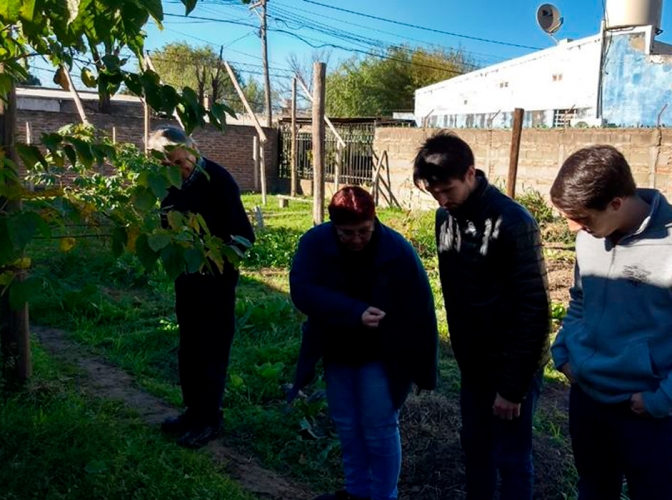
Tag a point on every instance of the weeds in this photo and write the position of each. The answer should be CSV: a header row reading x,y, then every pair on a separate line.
x,y
127,316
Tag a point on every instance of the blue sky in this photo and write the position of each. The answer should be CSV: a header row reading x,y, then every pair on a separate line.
x,y
501,22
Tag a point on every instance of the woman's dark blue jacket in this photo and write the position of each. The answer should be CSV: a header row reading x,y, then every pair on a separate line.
x,y
409,346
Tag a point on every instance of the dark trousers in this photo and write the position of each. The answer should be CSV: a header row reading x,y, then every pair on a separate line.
x,y
610,442
491,444
205,308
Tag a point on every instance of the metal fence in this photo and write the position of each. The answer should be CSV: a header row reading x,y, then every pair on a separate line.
x,y
357,155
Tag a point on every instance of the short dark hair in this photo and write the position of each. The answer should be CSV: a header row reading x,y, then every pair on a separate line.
x,y
590,179
442,158
351,205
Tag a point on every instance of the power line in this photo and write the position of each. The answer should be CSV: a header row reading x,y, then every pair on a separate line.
x,y
328,44
310,23
400,23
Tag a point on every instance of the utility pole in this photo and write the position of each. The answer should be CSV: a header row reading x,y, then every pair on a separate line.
x,y
264,55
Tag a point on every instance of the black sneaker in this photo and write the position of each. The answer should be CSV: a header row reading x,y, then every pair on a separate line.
x,y
339,495
198,436
177,425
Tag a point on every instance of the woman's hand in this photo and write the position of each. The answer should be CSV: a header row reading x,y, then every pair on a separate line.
x,y
372,316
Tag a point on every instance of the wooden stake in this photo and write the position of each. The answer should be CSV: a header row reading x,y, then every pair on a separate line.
x,y
75,95
147,125
518,115
255,158
14,323
319,75
293,166
262,172
248,108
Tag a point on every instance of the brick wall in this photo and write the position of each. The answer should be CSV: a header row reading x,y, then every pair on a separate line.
x,y
542,151
231,148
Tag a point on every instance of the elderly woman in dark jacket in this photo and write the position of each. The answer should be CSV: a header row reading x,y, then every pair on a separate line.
x,y
371,319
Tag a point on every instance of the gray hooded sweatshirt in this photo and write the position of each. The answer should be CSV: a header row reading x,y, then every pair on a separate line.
x,y
617,336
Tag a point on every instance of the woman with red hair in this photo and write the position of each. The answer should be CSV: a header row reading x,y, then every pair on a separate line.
x,y
371,318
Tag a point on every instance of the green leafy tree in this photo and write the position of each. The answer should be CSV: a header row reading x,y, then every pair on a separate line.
x,y
69,166
378,86
183,65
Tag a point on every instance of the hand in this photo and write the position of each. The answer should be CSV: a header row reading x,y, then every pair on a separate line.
x,y
637,404
505,409
372,316
567,371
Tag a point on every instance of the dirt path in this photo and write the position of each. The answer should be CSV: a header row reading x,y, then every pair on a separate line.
x,y
107,381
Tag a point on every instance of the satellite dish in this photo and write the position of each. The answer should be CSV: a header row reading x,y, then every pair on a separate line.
x,y
548,18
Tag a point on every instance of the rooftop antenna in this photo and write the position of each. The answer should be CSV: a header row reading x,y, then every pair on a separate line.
x,y
549,19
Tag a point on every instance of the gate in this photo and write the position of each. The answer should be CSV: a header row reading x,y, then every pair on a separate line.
x,y
357,156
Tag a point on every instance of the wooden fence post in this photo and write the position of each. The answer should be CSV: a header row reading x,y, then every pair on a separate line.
x,y
319,74
516,133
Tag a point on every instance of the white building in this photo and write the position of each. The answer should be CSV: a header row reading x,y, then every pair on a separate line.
x,y
618,77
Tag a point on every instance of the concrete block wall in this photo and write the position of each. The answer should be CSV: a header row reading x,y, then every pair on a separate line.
x,y
231,148
542,151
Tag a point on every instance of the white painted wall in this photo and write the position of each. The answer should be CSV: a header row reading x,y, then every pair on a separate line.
x,y
530,83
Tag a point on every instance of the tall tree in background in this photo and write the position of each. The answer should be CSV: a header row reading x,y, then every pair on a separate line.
x,y
378,86
183,65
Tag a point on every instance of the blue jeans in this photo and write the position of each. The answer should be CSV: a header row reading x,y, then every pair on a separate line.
x,y
610,441
491,444
368,428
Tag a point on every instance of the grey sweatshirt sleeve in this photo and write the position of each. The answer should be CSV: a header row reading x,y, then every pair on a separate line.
x,y
573,318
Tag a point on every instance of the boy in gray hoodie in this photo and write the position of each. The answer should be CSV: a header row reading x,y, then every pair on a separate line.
x,y
615,345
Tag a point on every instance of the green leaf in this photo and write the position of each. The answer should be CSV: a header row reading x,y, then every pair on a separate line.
x,y
31,155
133,83
6,278
22,228
220,111
145,254
96,467
169,98
174,175
159,240
28,10
70,153
175,219
143,199
155,9
158,184
244,242
10,10
189,6
52,141
195,259
119,240
83,151
21,292
173,260
88,79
